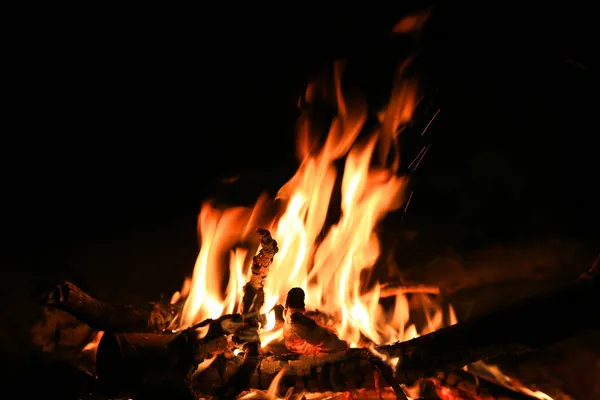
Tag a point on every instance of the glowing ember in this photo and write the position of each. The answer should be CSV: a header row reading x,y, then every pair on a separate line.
x,y
496,374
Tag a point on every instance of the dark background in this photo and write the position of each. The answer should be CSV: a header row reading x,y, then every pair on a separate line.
x,y
121,122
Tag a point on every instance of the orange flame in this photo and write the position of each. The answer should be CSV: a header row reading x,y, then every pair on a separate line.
x,y
331,270
93,344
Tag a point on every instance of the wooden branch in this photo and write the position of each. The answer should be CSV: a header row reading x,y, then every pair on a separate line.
x,y
252,302
526,325
108,317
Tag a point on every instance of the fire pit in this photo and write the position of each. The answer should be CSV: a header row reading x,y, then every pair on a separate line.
x,y
283,301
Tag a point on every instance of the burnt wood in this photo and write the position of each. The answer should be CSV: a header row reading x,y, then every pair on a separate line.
x,y
107,317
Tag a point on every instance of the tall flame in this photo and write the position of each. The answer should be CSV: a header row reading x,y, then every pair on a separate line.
x,y
331,270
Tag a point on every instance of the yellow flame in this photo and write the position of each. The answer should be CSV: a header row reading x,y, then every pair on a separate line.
x,y
510,383
271,320
93,344
334,270
331,270
272,392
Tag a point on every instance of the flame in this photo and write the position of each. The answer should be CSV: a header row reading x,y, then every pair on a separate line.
x,y
272,392
220,232
332,263
271,320
333,270
510,383
183,293
93,344
205,364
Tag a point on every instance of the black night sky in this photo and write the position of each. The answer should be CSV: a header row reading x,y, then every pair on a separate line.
x,y
119,126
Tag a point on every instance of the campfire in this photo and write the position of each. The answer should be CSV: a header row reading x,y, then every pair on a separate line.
x,y
292,297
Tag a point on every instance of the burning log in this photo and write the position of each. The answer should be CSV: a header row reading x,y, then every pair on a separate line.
x,y
252,302
302,334
354,370
125,362
254,295
107,317
336,372
461,384
527,325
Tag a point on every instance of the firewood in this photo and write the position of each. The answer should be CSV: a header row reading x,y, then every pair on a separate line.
x,y
108,317
460,384
225,325
165,389
254,296
349,371
126,361
526,325
252,302
303,334
336,372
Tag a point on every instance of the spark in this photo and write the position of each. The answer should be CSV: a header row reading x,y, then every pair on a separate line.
x,y
422,157
432,118
408,202
577,64
417,157
417,103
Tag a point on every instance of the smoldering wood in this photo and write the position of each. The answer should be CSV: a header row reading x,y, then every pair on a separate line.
x,y
336,372
126,362
165,389
252,302
102,316
349,371
303,334
254,295
526,325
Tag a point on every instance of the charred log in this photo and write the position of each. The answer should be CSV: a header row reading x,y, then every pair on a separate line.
x,y
526,325
460,384
107,317
222,326
126,362
336,372
252,302
350,371
303,334
254,295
